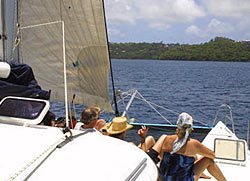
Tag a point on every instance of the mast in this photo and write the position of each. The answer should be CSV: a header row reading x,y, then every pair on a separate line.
x,y
8,30
2,31
111,70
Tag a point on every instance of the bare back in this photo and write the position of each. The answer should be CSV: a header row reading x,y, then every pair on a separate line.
x,y
191,148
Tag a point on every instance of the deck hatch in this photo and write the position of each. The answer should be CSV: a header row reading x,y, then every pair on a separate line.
x,y
19,108
230,149
23,111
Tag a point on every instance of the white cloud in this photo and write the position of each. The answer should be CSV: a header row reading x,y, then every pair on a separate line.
x,y
116,32
120,12
159,14
159,26
217,26
228,8
194,30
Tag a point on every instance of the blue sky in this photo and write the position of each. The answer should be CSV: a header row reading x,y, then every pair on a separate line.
x,y
177,21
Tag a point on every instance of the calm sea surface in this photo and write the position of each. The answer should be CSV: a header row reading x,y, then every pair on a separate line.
x,y
197,88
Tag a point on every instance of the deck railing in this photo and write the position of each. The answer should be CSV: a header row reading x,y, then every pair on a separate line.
x,y
227,117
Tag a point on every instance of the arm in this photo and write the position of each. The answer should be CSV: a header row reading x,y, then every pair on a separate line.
x,y
203,150
142,133
100,124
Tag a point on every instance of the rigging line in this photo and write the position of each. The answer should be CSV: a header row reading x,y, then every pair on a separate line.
x,y
15,43
143,99
169,110
176,113
20,48
42,24
111,70
205,124
18,24
128,93
120,100
71,137
154,108
227,107
14,37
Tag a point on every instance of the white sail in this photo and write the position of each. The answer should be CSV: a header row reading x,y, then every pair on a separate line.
x,y
86,48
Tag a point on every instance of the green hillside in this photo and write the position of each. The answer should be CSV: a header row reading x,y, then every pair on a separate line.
x,y
217,49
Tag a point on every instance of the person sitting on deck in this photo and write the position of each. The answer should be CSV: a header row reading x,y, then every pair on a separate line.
x,y
60,122
178,153
89,119
118,128
49,119
100,122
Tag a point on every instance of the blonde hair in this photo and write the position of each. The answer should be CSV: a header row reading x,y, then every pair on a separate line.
x,y
96,108
180,132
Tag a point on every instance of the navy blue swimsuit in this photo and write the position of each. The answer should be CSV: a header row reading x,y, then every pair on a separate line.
x,y
176,167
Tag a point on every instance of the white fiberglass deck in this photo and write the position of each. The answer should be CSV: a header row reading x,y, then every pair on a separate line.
x,y
91,156
232,154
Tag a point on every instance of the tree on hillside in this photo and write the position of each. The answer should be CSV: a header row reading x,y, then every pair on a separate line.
x,y
217,49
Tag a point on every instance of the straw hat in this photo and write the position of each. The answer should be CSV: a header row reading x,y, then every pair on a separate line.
x,y
118,125
4,70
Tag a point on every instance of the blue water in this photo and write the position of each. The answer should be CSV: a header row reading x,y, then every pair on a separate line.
x,y
197,88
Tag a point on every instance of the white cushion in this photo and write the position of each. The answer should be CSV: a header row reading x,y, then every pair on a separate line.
x,y
4,70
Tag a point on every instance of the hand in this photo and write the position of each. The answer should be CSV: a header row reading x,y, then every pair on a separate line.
x,y
143,132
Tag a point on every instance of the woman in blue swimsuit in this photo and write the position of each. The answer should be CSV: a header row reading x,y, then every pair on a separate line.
x,y
178,153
